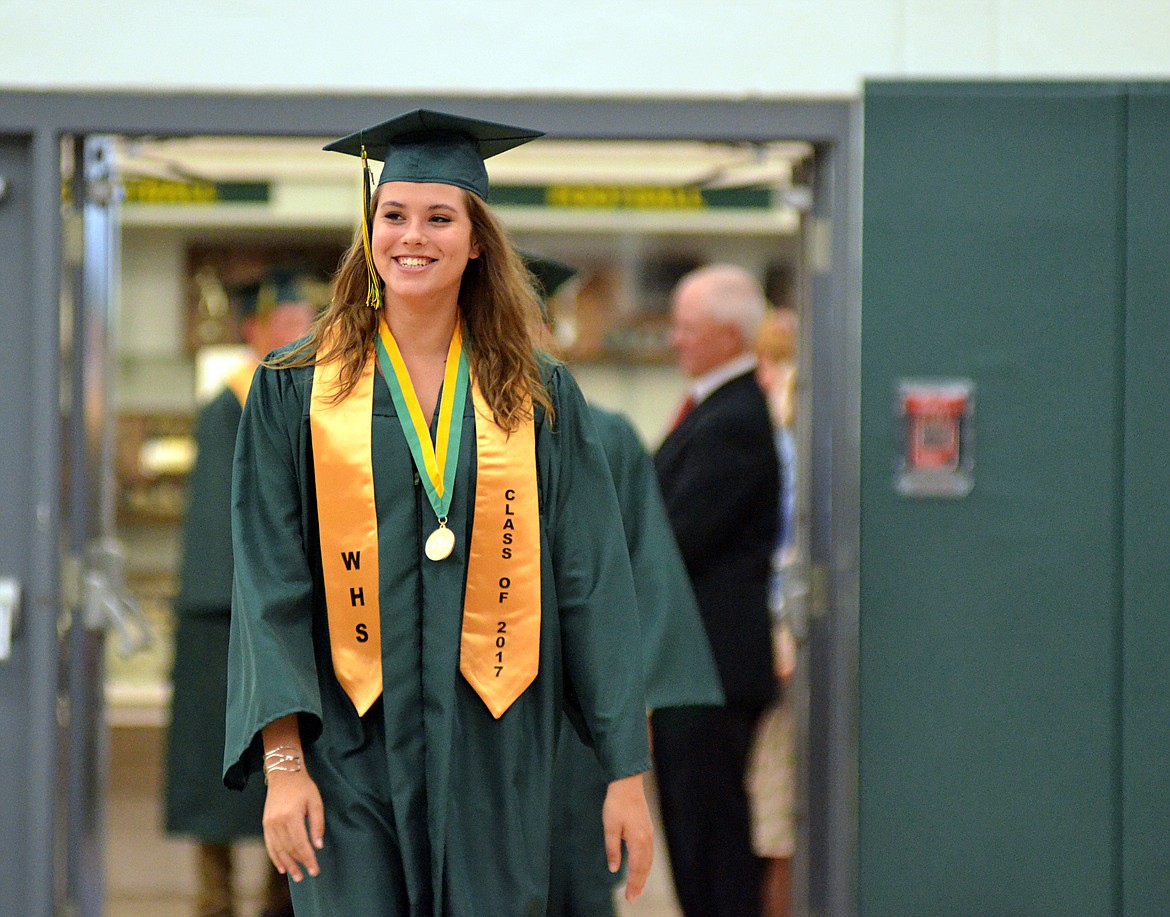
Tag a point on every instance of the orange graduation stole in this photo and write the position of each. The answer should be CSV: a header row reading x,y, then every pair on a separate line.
x,y
499,654
348,523
500,644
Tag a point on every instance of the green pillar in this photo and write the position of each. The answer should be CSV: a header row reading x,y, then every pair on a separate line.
x,y
1146,581
992,626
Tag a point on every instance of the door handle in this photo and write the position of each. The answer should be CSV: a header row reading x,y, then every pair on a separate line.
x,y
9,614
109,605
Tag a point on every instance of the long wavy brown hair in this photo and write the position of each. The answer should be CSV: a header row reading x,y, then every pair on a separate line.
x,y
498,305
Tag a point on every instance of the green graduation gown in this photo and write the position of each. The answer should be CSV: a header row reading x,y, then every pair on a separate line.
x,y
432,806
676,660
196,802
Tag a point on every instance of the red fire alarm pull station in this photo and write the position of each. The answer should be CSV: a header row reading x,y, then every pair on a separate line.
x,y
937,457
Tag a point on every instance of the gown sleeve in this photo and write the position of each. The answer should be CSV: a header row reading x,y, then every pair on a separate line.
x,y
676,656
205,573
272,669
595,591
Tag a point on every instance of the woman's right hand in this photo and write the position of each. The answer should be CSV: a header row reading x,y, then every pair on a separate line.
x,y
294,823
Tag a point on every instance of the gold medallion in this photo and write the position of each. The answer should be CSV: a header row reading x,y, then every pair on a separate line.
x,y
440,543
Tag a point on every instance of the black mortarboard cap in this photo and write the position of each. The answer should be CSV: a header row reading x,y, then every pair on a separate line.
x,y
432,146
280,286
550,274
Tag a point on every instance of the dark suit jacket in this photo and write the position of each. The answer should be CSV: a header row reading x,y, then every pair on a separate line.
x,y
720,481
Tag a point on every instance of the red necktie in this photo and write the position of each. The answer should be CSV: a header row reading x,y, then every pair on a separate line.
x,y
684,409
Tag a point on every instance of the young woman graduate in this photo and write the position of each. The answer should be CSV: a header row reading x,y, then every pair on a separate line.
x,y
429,566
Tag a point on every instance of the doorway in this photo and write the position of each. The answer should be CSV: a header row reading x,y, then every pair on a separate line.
x,y
819,252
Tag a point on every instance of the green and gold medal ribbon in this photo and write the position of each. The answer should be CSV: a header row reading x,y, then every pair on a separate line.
x,y
436,461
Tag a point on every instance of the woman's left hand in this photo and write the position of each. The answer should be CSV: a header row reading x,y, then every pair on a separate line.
x,y
626,817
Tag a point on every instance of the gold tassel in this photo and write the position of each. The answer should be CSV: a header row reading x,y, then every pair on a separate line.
x,y
373,282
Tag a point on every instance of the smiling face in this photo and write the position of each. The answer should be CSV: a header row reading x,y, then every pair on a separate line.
x,y
421,241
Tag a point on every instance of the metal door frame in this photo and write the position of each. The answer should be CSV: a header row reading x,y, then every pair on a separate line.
x,y
31,501
832,126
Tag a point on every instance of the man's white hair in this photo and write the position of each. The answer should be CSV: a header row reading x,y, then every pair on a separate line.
x,y
732,297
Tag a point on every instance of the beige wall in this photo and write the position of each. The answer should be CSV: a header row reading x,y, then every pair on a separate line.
x,y
156,372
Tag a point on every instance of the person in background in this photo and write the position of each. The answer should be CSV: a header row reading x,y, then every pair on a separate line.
x,y
676,659
720,481
772,769
275,311
429,566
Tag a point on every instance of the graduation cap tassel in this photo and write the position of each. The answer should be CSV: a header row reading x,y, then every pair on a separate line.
x,y
373,284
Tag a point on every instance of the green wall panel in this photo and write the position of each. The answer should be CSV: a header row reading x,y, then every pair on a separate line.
x,y
994,250
1147,511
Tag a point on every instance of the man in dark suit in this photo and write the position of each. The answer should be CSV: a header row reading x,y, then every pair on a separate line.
x,y
719,475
